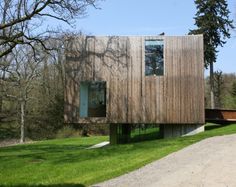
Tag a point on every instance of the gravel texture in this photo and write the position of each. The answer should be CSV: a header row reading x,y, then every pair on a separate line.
x,y
10,142
211,162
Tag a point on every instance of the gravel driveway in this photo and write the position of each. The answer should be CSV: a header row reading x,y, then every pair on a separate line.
x,y
211,162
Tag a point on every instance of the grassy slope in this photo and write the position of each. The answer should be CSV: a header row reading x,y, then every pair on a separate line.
x,y
66,162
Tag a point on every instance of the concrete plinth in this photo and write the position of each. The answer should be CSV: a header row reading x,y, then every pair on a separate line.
x,y
177,130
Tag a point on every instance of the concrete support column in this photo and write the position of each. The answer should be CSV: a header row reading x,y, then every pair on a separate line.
x,y
113,134
177,130
120,133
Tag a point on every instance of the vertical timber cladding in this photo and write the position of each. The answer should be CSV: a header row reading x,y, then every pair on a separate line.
x,y
132,97
184,80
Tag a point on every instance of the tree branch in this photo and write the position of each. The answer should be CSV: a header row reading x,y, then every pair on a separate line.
x,y
26,16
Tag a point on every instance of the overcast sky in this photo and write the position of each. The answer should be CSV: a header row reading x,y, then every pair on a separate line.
x,y
151,17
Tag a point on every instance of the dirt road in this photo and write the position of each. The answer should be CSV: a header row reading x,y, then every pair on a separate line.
x,y
211,162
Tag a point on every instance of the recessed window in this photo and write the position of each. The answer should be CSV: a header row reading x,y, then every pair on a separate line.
x,y
154,61
93,99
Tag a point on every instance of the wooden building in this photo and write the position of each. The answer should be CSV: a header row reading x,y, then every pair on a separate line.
x,y
136,79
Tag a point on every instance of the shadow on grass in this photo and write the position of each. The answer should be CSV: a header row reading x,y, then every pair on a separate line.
x,y
55,148
146,137
214,126
156,135
44,185
48,153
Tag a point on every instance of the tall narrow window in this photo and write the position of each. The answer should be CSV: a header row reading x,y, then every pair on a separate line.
x,y
93,99
154,61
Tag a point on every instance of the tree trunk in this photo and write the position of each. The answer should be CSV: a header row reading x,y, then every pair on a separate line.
x,y
1,103
212,86
2,78
218,85
61,69
22,123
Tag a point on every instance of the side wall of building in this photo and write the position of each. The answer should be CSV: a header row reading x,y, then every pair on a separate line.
x,y
177,97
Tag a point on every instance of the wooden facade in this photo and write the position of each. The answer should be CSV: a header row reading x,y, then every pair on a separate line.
x,y
177,97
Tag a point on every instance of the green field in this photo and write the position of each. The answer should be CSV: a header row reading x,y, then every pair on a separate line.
x,y
66,162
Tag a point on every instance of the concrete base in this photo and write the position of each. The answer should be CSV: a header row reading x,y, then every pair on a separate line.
x,y
177,130
99,145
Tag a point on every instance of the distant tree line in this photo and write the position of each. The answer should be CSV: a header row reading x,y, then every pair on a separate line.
x,y
224,90
31,86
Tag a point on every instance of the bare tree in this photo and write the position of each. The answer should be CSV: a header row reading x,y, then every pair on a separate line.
x,y
4,66
22,71
22,21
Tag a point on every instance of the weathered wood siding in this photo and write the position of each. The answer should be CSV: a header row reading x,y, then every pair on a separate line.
x,y
176,97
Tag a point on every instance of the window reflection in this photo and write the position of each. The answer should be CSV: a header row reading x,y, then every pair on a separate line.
x,y
154,61
93,99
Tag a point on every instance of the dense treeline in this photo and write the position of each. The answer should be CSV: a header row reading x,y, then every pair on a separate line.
x,y
32,84
224,91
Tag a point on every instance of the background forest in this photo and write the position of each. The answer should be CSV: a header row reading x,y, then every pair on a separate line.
x,y
224,91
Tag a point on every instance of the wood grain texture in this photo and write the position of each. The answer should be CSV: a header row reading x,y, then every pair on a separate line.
x,y
177,97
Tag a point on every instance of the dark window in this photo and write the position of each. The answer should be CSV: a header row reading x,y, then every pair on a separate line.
x,y
154,61
93,99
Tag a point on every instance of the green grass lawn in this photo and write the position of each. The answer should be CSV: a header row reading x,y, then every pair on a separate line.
x,y
66,162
